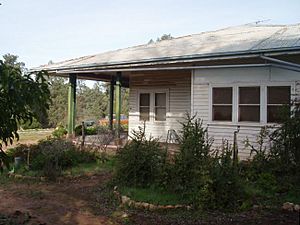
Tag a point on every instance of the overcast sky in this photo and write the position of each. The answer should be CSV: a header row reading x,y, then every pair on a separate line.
x,y
42,30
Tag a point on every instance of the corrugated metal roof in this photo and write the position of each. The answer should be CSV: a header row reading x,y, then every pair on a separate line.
x,y
245,38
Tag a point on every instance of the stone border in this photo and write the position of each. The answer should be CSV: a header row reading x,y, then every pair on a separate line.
x,y
19,176
126,201
289,206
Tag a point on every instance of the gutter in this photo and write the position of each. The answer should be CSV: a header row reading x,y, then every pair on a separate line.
x,y
161,68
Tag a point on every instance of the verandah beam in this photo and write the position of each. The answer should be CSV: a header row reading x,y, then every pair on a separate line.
x,y
72,105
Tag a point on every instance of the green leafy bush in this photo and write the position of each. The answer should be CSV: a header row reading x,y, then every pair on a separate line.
x,y
140,162
59,131
92,130
52,156
191,169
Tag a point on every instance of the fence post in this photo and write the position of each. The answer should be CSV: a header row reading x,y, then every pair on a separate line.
x,y
83,134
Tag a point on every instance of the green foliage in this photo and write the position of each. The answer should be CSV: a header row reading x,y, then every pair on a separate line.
x,y
140,162
59,131
35,124
191,169
52,156
23,97
92,130
285,139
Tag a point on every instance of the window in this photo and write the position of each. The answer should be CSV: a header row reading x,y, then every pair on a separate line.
x,y
222,104
160,106
145,106
277,97
249,104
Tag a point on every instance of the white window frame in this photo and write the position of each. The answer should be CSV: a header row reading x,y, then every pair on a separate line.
x,y
152,104
235,101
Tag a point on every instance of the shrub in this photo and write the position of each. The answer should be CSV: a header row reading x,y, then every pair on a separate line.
x,y
52,156
227,185
192,164
286,142
92,130
59,131
140,162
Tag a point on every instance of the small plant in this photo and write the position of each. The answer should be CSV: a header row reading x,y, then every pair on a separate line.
x,y
140,162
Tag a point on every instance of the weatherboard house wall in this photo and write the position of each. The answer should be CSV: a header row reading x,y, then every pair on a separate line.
x,y
177,85
204,80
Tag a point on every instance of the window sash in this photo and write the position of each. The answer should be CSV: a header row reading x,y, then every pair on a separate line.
x,y
222,111
249,104
144,107
160,109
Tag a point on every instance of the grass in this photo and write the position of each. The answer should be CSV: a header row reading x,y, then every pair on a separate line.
x,y
151,195
89,168
30,137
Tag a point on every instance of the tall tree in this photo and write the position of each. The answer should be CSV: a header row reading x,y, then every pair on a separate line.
x,y
21,97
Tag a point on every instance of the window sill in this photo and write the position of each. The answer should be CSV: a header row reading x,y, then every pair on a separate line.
x,y
242,124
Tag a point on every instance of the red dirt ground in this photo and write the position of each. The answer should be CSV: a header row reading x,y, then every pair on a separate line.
x,y
84,201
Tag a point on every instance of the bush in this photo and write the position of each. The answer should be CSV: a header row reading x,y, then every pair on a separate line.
x,y
52,156
92,130
59,131
191,170
140,162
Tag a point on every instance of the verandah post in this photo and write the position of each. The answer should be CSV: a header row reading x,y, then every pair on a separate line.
x,y
71,104
118,103
111,103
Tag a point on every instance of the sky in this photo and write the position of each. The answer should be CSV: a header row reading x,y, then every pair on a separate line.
x,y
42,30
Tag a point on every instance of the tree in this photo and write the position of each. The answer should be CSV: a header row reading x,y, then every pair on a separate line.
x,y
12,60
162,38
21,97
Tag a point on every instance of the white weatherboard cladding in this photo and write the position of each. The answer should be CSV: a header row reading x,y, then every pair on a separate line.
x,y
203,80
177,85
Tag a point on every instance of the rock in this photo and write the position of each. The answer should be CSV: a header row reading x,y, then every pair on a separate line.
x,y
124,199
297,208
152,207
124,215
288,206
145,205
178,206
188,207
169,207
255,207
138,205
130,203
115,188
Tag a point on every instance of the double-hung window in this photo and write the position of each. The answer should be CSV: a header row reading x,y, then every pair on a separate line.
x,y
153,106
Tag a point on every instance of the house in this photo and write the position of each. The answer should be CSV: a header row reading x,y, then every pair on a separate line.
x,y
235,78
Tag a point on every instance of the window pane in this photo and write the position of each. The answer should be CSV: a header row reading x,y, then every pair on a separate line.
x,y
145,99
276,113
249,113
279,95
222,95
144,113
160,99
223,113
249,95
160,114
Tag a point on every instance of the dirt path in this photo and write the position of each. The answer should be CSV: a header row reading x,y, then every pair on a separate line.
x,y
65,203
86,201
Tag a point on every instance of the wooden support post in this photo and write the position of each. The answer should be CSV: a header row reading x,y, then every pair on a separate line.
x,y
111,104
71,105
118,103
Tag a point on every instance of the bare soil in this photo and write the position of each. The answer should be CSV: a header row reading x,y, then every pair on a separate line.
x,y
86,200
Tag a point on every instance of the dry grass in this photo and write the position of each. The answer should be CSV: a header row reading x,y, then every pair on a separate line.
x,y
31,137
